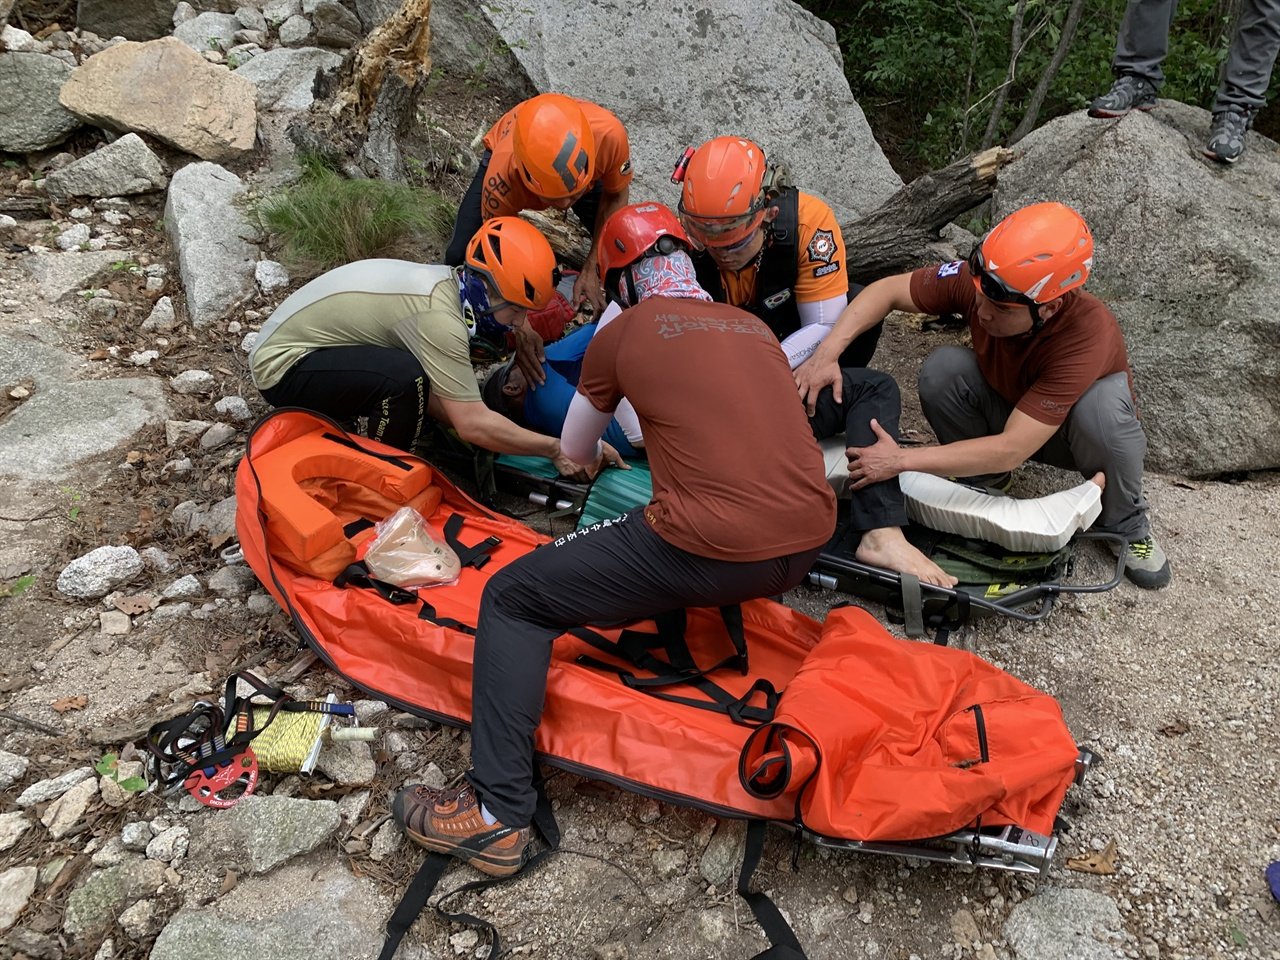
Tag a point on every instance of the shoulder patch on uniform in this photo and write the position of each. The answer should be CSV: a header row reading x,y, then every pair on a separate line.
x,y
825,269
950,269
822,247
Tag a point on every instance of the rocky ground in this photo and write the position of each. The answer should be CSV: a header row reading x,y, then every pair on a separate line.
x,y
121,423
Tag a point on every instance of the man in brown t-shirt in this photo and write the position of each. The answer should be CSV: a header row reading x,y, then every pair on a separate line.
x,y
1047,379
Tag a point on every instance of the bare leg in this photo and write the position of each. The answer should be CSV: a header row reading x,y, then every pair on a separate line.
x,y
886,547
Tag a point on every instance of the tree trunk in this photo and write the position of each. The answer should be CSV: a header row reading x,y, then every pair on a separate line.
x,y
373,106
567,237
1028,121
899,234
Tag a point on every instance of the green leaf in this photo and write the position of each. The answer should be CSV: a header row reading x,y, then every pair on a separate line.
x,y
19,586
107,765
133,784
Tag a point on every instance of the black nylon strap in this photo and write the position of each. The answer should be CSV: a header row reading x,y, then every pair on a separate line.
x,y
415,898
782,939
428,613
357,575
476,555
357,526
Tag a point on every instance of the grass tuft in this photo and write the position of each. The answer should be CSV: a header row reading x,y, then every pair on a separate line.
x,y
325,220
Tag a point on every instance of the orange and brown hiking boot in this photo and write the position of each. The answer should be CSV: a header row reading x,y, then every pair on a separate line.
x,y
450,821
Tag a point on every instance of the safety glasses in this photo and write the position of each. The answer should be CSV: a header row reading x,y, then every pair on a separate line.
x,y
992,287
722,232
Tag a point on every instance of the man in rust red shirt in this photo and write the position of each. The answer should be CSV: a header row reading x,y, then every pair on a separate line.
x,y
1047,379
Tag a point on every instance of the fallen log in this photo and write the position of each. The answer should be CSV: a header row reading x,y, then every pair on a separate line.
x,y
902,233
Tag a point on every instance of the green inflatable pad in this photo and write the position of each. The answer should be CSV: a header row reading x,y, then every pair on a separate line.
x,y
612,493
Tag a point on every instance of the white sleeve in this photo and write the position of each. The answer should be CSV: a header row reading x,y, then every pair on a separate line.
x,y
584,425
816,320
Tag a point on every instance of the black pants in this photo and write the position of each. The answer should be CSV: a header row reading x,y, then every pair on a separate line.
x,y
611,573
867,394
470,216
384,384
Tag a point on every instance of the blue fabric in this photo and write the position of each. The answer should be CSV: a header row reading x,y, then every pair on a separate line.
x,y
546,407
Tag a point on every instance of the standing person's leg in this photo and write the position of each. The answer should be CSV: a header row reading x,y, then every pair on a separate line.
x,y
605,575
384,384
958,402
470,215
1245,79
1141,46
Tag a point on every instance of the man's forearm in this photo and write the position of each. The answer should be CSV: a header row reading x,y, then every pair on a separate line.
x,y
964,458
863,312
502,436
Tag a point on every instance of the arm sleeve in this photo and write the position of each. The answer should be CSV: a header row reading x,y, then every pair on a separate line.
x,y
821,260
816,321
629,421
584,425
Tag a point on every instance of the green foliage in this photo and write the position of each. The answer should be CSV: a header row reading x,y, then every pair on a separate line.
x,y
325,220
928,72
18,587
109,766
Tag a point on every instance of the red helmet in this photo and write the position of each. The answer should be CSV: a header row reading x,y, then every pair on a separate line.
x,y
514,256
635,230
1034,255
553,145
723,200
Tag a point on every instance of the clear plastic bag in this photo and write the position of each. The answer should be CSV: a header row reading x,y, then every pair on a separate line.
x,y
406,554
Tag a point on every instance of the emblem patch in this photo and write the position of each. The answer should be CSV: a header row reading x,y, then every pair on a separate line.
x,y
950,269
822,247
777,299
827,268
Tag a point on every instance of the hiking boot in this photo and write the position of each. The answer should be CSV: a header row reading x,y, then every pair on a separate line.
x,y
1146,565
1226,134
1127,93
450,821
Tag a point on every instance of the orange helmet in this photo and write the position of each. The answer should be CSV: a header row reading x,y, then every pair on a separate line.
x,y
1034,255
723,200
634,230
516,260
554,147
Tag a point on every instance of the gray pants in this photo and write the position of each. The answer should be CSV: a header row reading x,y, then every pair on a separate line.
x,y
1143,42
1101,432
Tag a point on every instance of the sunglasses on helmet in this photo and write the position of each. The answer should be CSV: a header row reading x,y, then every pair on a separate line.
x,y
992,287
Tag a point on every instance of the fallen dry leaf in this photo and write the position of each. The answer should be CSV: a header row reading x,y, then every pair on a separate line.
x,y
78,702
1102,863
136,604
133,456
1176,729
99,355
229,883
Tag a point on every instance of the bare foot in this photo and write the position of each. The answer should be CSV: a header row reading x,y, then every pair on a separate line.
x,y
1099,479
886,547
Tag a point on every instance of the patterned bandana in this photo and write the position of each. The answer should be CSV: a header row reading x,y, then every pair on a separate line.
x,y
665,276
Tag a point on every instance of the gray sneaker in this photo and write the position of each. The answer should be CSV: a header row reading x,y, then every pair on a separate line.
x,y
1127,93
1146,565
1226,134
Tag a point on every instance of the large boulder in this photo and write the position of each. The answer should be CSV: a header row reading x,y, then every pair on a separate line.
x,y
209,231
1187,258
131,19
120,168
205,109
208,31
768,70
31,118
285,78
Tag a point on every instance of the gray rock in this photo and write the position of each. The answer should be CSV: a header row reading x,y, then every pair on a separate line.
x,y
107,951
158,559
335,25
16,887
142,920
102,897
60,274
218,522
111,854
135,836
193,382
720,859
114,623
466,45
31,118
74,237
209,230
1187,260
162,318
12,827
16,40
251,18
232,581
12,769
124,166
7,223
297,913
1065,924
715,51
144,358
208,31
218,435
278,11
99,572
250,338
182,13
131,19
187,587
36,946
237,408
386,841
373,13
271,276
169,845
262,604
206,110
263,832
66,811
171,611
297,32
177,431
669,863
351,807
350,764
